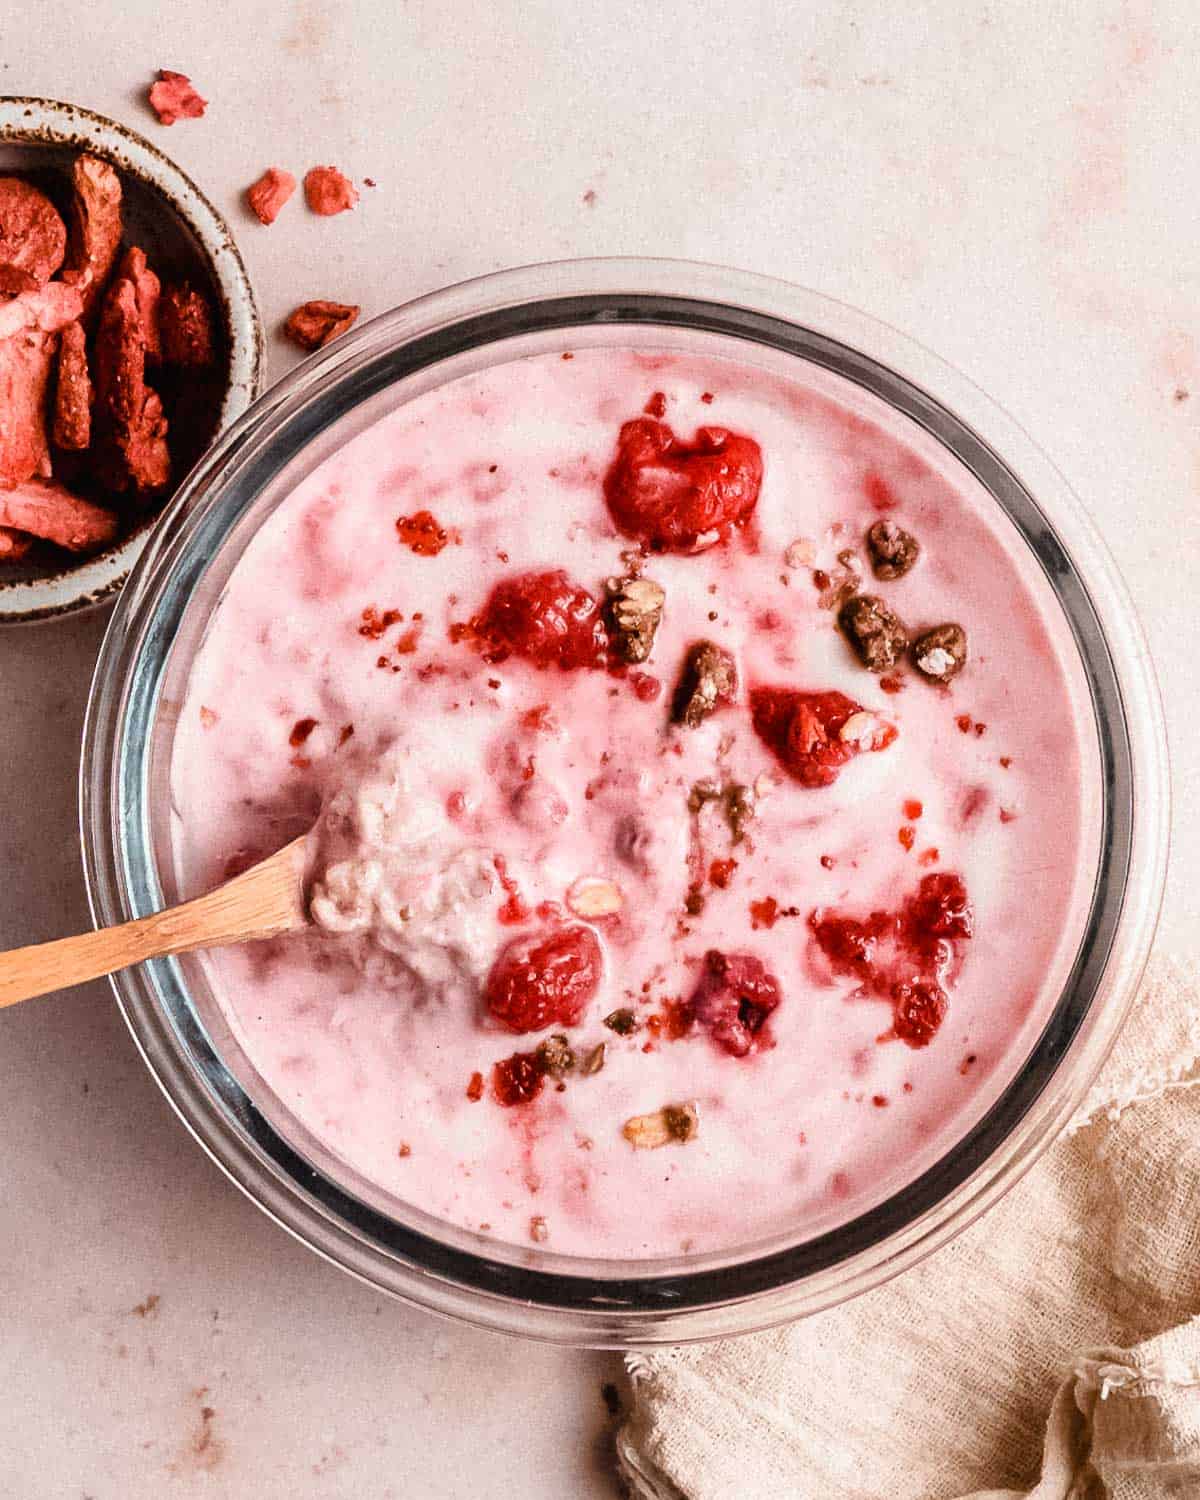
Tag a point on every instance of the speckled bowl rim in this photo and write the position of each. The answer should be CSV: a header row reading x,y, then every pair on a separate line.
x,y
52,122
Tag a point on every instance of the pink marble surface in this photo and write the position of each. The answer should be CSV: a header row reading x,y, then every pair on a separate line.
x,y
1014,185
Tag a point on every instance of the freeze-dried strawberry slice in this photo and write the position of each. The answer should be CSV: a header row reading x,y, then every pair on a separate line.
x,y
33,237
95,236
49,511
544,618
172,98
545,980
735,995
676,496
188,337
815,734
72,426
269,194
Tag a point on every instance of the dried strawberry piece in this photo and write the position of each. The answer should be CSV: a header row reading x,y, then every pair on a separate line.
x,y
544,618
49,511
518,1079
314,324
72,426
919,1008
95,235
815,734
133,452
328,191
14,545
147,290
677,496
33,237
172,98
269,194
733,998
188,337
28,325
545,980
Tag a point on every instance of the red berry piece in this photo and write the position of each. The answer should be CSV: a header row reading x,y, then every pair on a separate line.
x,y
941,910
733,999
920,1008
849,944
675,496
815,734
518,1079
545,980
544,618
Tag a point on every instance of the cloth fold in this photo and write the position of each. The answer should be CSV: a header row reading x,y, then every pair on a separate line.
x,y
1053,1337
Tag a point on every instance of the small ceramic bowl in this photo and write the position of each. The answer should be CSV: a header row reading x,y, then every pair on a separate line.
x,y
168,215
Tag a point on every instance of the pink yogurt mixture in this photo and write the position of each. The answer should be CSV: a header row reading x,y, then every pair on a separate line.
x,y
475,800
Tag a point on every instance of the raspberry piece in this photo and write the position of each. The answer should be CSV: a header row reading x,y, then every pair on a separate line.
x,y
518,1079
544,618
676,496
269,194
545,980
920,1008
328,191
850,944
815,734
733,999
941,909
422,531
173,98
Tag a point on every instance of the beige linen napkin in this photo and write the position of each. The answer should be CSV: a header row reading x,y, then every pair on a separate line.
x,y
1053,1336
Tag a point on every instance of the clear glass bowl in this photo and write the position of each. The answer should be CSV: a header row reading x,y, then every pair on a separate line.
x,y
139,684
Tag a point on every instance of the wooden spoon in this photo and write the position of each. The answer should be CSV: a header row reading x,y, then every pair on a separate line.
x,y
263,901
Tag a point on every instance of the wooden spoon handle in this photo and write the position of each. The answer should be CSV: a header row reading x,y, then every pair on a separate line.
x,y
263,902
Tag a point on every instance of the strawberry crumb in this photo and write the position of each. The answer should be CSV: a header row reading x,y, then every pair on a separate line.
x,y
967,1064
423,533
269,194
928,856
827,861
891,684
879,1101
345,733
328,191
907,836
964,723
707,398
475,1088
657,405
913,810
301,730
764,913
1006,761
172,98
720,872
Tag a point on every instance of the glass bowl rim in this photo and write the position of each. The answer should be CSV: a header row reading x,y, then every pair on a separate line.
x,y
637,1306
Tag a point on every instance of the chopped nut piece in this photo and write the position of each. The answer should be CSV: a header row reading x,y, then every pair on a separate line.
x,y
941,653
707,682
634,611
593,897
538,1232
740,809
594,1061
874,631
866,731
802,553
674,1122
702,792
555,1055
893,550
621,1021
